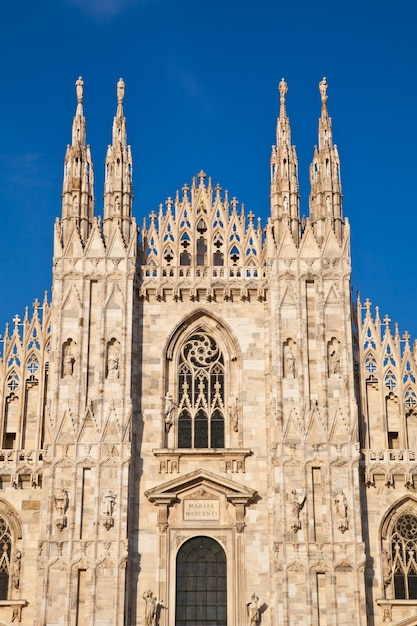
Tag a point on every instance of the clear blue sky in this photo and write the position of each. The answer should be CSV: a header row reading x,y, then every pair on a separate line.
x,y
201,92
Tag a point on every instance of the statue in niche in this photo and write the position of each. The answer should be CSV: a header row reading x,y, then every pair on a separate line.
x,y
253,608
109,502
296,506
17,558
61,505
151,603
341,507
285,204
75,205
386,567
328,205
69,359
289,359
113,359
117,205
169,411
334,357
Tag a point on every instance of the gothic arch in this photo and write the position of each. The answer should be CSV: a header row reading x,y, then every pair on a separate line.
x,y
205,320
202,418
8,512
406,504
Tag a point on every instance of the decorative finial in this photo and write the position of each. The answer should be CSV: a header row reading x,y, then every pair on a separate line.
x,y
282,88
120,90
323,90
79,89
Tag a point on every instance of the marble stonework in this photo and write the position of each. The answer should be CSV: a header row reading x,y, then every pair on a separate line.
x,y
205,379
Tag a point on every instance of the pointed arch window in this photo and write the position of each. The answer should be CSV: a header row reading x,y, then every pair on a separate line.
x,y
5,558
404,557
201,391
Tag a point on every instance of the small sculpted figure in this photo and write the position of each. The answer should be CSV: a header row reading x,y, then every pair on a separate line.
x,y
150,607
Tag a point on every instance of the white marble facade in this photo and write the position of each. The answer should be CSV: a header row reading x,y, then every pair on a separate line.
x,y
200,428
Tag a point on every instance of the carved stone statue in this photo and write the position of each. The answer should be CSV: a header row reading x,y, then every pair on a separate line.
x,y
323,90
289,361
334,357
79,89
69,360
282,88
169,411
150,607
61,505
109,502
253,610
296,506
113,364
341,507
120,90
16,569
386,567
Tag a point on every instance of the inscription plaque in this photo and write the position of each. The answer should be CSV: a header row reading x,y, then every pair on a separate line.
x,y
201,510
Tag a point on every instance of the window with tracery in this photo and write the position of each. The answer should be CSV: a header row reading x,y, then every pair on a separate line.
x,y
5,557
201,393
404,557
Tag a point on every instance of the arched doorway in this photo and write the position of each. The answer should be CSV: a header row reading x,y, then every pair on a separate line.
x,y
201,584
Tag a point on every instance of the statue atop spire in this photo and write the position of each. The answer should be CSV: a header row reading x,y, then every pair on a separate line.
x,y
323,91
120,90
283,89
79,89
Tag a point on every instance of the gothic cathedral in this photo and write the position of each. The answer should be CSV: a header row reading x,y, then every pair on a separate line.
x,y
200,428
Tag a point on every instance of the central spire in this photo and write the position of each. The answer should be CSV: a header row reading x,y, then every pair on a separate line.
x,y
285,212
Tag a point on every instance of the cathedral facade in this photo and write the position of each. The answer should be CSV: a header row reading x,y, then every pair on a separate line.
x,y
200,428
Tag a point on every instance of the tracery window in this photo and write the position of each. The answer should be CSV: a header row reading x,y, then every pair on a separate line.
x,y
5,557
404,557
201,386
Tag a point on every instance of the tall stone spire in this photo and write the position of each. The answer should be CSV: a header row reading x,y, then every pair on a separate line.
x,y
118,181
326,191
78,185
285,212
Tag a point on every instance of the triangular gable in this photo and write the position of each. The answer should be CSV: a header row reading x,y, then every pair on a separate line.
x,y
339,430
201,477
287,248
95,245
117,247
74,247
332,297
316,431
309,247
292,431
115,299
67,428
331,247
88,430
